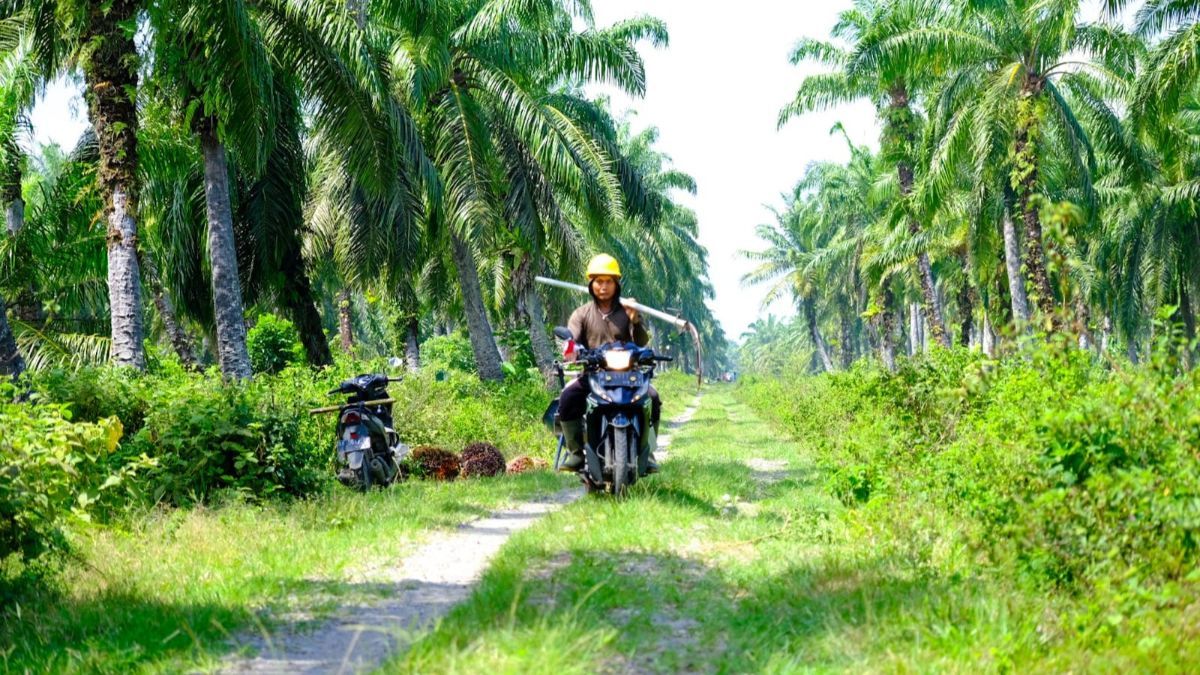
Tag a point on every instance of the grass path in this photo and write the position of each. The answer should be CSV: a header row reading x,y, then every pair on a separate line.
x,y
734,559
711,566
165,592
420,589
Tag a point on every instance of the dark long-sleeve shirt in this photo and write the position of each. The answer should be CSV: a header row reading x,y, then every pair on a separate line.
x,y
593,328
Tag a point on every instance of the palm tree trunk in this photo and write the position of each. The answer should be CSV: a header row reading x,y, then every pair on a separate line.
x,y
345,321
987,337
11,362
847,339
412,345
227,286
814,334
301,305
110,75
14,215
166,311
10,184
1026,160
900,124
483,341
543,351
966,310
1012,264
887,327
1189,321
1083,319
26,306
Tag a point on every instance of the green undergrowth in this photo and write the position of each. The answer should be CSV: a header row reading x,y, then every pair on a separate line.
x,y
744,555
147,514
164,592
100,443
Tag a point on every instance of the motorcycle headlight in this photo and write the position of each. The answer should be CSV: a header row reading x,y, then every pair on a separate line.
x,y
617,359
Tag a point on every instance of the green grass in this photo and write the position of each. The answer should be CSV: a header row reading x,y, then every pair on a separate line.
x,y
737,558
163,593
714,566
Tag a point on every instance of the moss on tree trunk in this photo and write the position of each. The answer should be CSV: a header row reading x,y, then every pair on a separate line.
x,y
109,63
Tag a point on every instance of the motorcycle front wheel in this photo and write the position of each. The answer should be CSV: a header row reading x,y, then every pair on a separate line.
x,y
620,468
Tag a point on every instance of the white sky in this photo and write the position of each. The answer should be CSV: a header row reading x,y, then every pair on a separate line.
x,y
714,95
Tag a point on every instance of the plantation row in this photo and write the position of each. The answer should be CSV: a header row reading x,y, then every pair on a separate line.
x,y
1044,472
1035,170
377,172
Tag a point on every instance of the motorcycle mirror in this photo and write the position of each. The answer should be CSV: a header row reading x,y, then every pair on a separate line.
x,y
562,333
395,362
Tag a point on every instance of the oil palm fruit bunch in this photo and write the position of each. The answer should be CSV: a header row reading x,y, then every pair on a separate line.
x,y
481,459
430,461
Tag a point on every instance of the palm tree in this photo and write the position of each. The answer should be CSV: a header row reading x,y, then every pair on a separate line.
x,y
1011,65
797,234
863,71
98,39
232,99
475,72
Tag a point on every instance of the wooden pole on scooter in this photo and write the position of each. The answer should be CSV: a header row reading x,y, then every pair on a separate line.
x,y
335,408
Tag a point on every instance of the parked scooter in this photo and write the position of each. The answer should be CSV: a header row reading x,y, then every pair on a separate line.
x,y
619,436
368,450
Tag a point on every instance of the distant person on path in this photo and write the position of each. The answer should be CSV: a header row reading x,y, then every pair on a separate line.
x,y
598,323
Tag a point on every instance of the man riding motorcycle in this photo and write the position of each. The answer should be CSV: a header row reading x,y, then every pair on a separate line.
x,y
597,323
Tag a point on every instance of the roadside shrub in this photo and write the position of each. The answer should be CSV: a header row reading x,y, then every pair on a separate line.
x,y
257,437
519,349
459,409
481,459
96,393
1054,467
51,468
273,344
429,461
448,352
208,435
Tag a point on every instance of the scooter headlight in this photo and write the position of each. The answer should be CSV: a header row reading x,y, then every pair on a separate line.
x,y
617,359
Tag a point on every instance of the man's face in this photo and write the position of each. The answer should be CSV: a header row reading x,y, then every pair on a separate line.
x,y
604,287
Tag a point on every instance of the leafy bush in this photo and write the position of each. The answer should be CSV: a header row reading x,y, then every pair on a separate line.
x,y
50,468
460,409
1054,467
273,344
209,435
448,352
257,437
519,348
93,394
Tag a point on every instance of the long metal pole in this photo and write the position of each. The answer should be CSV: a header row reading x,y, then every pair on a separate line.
x,y
682,324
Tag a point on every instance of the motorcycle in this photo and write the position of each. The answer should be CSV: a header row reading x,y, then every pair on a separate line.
x,y
368,450
618,436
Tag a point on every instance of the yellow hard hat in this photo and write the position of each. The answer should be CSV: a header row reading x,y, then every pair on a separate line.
x,y
603,265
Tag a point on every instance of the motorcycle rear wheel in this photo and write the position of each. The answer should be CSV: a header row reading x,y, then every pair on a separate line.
x,y
364,472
